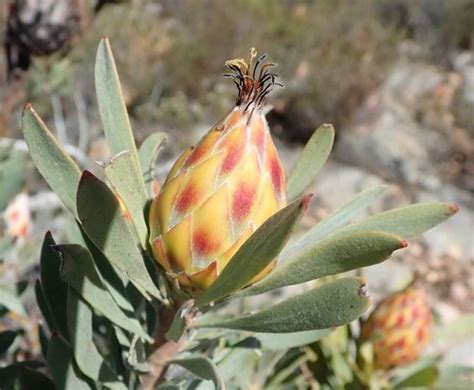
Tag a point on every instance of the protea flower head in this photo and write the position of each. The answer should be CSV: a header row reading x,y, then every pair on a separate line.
x,y
222,189
399,327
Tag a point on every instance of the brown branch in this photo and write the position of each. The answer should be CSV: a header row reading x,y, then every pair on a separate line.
x,y
163,350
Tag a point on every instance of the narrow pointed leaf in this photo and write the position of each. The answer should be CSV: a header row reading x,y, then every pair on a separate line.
x,y
202,367
62,367
11,302
178,326
127,182
43,341
80,273
88,358
114,280
147,155
329,257
22,375
43,306
339,218
333,304
406,221
32,379
53,286
314,155
112,109
57,168
137,357
101,218
256,253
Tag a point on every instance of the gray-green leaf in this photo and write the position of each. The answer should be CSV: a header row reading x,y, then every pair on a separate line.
x,y
333,304
314,155
53,286
406,221
203,367
345,214
127,182
62,367
88,358
147,155
58,169
80,273
112,109
329,257
100,215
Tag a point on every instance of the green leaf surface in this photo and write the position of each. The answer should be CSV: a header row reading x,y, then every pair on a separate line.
x,y
281,341
114,280
333,304
65,374
406,221
178,326
12,175
7,338
43,306
80,273
127,182
422,379
314,155
88,358
43,341
329,257
147,154
101,218
137,356
112,109
31,379
53,286
57,168
202,367
342,216
11,302
414,374
22,375
256,253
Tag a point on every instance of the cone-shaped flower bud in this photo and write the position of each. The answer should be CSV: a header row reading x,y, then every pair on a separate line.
x,y
399,327
222,189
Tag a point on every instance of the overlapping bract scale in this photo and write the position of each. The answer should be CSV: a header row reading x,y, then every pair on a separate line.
x,y
215,196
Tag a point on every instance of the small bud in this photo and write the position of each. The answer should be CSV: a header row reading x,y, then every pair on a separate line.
x,y
399,328
222,189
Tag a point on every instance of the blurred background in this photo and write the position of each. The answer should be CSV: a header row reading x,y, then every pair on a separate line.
x,y
395,77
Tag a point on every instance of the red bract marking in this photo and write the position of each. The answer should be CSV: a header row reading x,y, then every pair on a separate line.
x,y
400,320
242,201
196,154
276,173
420,334
189,196
231,159
399,344
204,243
415,313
